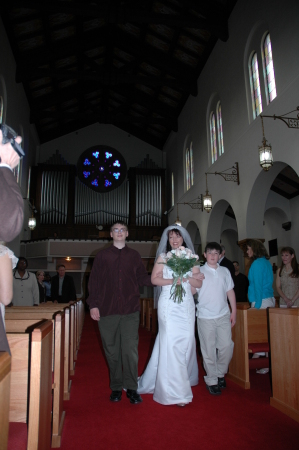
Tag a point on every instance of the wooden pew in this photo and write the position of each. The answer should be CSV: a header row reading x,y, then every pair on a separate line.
x,y
5,368
284,343
151,317
42,312
31,371
143,306
250,335
58,415
77,321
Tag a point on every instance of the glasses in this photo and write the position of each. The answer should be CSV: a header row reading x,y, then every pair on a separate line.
x,y
213,253
119,230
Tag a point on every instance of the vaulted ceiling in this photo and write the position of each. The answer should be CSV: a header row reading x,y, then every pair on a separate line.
x,y
130,63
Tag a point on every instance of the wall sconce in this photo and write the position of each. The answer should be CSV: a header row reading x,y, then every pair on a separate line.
x,y
227,176
291,122
32,219
207,199
68,258
178,222
32,222
265,152
204,202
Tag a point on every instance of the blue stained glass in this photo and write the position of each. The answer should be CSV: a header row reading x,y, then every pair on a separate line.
x,y
116,175
87,162
108,155
96,154
86,174
116,163
95,182
107,183
102,169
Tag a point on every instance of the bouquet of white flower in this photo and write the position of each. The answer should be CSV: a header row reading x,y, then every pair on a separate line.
x,y
181,261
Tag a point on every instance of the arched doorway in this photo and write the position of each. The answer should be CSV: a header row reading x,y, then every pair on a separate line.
x,y
193,230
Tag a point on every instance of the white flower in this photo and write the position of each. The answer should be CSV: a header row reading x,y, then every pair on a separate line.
x,y
182,248
177,252
169,255
188,253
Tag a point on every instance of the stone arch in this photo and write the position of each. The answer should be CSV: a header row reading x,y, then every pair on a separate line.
x,y
257,200
215,221
193,230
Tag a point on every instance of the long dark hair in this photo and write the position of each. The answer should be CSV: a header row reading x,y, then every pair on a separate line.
x,y
177,232
294,263
258,248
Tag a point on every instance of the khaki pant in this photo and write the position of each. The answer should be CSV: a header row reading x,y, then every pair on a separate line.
x,y
216,346
120,341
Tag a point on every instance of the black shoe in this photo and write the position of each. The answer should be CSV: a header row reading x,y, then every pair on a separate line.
x,y
133,396
115,396
222,383
214,389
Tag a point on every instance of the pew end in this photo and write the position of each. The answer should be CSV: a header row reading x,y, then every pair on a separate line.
x,y
284,338
31,397
5,370
250,335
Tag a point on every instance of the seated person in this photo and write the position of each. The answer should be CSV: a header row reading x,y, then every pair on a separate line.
x,y
241,284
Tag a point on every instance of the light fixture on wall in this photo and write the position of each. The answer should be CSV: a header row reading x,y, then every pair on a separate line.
x,y
207,198
227,176
291,122
178,222
32,219
265,152
204,202
68,258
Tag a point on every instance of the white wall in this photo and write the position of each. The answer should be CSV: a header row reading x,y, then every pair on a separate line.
x,y
224,75
72,145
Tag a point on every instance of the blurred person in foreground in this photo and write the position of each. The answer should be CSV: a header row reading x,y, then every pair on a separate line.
x,y
11,222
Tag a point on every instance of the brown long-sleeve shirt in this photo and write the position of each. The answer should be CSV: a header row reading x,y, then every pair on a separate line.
x,y
114,281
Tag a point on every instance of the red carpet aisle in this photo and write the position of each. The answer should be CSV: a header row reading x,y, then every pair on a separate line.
x,y
237,419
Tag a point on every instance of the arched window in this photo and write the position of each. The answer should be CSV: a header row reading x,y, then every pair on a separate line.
x,y
268,69
213,138
172,189
256,95
219,129
188,180
191,164
1,109
189,167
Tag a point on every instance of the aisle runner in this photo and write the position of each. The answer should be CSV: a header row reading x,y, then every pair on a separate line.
x,y
236,419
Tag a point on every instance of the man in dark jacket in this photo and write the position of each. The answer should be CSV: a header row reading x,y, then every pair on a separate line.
x,y
62,287
223,261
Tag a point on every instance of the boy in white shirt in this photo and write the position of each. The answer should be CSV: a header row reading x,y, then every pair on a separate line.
x,y
214,319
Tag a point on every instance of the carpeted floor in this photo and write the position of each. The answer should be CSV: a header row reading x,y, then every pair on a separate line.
x,y
236,419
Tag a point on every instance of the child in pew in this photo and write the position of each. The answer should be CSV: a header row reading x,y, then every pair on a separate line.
x,y
214,319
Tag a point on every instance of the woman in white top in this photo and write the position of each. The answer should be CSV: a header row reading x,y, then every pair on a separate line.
x,y
287,279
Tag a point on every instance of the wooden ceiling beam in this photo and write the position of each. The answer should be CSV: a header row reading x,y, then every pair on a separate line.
x,y
102,117
289,181
103,78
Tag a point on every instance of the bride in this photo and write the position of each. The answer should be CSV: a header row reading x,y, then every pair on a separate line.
x,y
172,368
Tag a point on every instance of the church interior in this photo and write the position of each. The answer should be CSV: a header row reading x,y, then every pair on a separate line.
x,y
152,113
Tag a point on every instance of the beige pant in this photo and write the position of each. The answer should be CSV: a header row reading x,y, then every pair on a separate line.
x,y
216,346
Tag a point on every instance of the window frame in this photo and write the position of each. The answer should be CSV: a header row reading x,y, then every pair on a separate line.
x,y
265,67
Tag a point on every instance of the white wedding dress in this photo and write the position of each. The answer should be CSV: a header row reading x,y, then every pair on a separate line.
x,y
172,369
